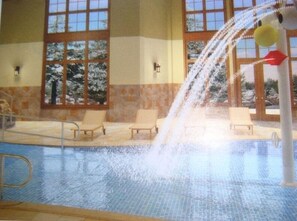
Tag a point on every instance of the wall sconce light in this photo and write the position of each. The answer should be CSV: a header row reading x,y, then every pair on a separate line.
x,y
17,70
157,67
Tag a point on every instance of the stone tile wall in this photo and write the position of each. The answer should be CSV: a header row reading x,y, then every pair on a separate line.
x,y
124,102
26,100
158,96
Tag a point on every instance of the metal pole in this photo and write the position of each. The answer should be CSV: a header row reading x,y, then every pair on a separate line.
x,y
285,114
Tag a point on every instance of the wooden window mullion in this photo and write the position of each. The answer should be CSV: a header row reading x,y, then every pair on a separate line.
x,y
66,16
64,87
86,63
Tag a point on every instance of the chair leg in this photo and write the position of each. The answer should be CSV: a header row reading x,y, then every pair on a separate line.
x,y
74,133
103,130
157,130
131,133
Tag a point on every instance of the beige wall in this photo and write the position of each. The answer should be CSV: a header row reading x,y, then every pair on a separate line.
x,y
124,60
26,55
21,42
176,20
125,18
155,18
132,58
177,49
177,61
147,18
144,32
22,21
154,50
162,42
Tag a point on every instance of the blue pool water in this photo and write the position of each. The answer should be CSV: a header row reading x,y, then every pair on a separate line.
x,y
218,181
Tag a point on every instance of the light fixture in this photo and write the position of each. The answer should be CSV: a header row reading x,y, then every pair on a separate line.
x,y
157,67
17,70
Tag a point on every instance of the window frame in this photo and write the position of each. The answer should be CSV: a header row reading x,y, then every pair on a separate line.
x,y
204,12
292,59
203,36
71,36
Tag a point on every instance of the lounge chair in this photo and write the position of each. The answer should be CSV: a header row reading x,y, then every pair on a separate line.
x,y
145,120
240,116
92,121
195,119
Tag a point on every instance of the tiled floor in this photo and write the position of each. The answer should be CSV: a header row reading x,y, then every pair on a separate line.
x,y
117,134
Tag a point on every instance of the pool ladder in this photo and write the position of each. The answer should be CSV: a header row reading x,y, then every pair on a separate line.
x,y
275,139
2,167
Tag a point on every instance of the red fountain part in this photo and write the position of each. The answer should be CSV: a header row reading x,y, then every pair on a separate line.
x,y
275,57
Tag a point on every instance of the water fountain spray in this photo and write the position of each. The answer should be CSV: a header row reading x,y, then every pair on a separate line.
x,y
164,155
219,52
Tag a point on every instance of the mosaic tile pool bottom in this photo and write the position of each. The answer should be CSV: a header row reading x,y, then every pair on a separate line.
x,y
218,181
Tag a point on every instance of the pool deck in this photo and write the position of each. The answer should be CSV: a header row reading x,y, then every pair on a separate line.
x,y
39,212
117,134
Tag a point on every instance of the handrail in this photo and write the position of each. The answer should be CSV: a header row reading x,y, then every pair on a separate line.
x,y
2,167
62,138
8,95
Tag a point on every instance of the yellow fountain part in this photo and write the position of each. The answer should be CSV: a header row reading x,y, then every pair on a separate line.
x,y
266,35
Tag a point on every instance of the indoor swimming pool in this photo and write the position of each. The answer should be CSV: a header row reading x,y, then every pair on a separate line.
x,y
234,180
